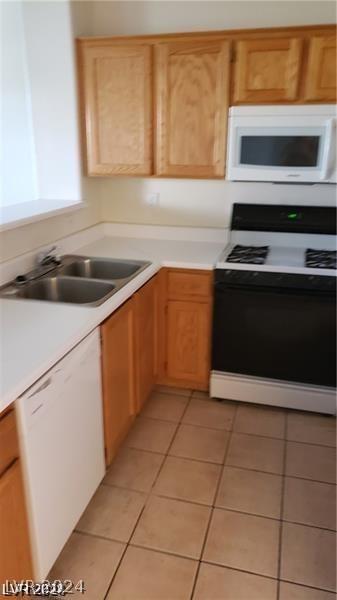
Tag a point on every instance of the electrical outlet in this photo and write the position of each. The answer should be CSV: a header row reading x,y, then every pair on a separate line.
x,y
152,199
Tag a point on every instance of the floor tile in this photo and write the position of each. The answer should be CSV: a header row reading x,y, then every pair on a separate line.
x,y
150,434
308,556
291,591
92,559
253,452
173,390
220,583
243,542
310,503
188,480
200,394
210,413
311,462
147,575
172,526
200,443
112,513
168,407
134,469
311,428
260,420
251,492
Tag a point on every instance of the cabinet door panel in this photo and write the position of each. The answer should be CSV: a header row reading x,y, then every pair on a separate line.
x,y
267,70
321,72
118,109
188,341
192,103
118,377
145,319
15,560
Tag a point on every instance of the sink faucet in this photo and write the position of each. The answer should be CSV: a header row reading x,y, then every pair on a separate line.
x,y
47,257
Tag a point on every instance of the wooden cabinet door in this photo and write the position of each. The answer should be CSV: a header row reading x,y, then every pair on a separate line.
x,y
145,341
15,559
118,108
321,71
188,341
192,105
267,70
118,377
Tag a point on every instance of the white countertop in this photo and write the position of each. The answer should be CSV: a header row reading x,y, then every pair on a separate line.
x,y
36,334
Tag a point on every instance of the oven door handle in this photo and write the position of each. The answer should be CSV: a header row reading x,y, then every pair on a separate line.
x,y
222,288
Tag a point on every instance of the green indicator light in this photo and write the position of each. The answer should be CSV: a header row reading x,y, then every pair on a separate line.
x,y
292,215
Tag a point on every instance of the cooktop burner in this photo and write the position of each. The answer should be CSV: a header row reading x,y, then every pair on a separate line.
x,y
321,259
255,255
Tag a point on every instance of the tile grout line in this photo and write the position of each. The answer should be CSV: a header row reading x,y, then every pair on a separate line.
x,y
213,506
140,514
223,464
321,481
265,437
282,506
208,562
166,455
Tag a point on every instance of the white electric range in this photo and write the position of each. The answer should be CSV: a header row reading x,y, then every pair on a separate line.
x,y
274,324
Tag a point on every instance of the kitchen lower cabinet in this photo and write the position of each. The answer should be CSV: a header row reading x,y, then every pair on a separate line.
x,y
15,554
118,374
184,328
145,306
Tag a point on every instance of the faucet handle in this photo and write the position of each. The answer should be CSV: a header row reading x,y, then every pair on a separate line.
x,y
46,256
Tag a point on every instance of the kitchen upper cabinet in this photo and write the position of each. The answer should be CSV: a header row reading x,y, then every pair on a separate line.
x,y
192,94
321,70
117,101
267,70
118,373
15,556
145,305
184,325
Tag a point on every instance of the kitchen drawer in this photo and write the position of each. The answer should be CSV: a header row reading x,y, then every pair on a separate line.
x,y
188,285
8,441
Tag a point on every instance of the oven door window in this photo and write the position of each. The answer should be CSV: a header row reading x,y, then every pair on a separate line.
x,y
275,334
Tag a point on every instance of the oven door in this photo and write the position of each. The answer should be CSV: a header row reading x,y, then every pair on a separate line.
x,y
267,332
296,150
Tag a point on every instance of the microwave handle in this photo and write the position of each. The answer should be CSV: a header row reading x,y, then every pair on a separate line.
x,y
328,146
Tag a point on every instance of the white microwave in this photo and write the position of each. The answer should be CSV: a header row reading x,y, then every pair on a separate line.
x,y
294,144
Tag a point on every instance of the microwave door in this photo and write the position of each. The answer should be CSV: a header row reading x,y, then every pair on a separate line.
x,y
284,153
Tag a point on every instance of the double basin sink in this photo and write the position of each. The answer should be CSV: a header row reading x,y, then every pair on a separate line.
x,y
77,280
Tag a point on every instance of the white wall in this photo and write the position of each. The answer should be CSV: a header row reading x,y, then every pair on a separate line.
x,y
196,202
18,176
170,16
53,89
24,239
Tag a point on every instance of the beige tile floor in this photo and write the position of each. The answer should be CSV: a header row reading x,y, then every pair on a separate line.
x,y
211,500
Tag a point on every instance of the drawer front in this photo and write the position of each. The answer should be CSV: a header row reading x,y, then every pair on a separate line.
x,y
9,449
186,285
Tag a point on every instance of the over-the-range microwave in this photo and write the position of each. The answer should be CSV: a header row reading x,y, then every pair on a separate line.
x,y
282,143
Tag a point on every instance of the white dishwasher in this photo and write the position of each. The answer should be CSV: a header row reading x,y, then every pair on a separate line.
x,y
62,446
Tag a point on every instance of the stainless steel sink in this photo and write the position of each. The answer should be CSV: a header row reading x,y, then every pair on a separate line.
x,y
75,279
67,289
102,268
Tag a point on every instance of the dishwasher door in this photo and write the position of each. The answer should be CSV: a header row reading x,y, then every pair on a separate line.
x,y
62,446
